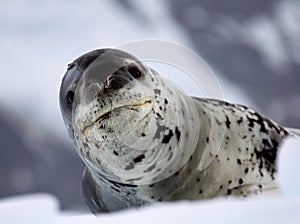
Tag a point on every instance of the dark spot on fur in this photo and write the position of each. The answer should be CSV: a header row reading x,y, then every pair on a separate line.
x,y
207,139
129,167
167,137
239,161
239,121
117,184
227,122
218,122
186,134
115,189
178,133
134,179
139,158
160,129
88,154
150,168
159,116
200,191
241,181
116,153
85,145
246,170
251,121
170,156
229,192
266,143
157,91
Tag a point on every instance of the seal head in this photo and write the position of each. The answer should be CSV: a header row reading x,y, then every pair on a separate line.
x,y
126,121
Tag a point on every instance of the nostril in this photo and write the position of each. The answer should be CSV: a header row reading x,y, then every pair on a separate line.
x,y
110,78
135,72
116,81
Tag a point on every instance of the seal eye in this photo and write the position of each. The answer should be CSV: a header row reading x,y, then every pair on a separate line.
x,y
70,97
135,72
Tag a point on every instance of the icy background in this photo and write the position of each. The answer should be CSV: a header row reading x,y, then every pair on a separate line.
x,y
253,46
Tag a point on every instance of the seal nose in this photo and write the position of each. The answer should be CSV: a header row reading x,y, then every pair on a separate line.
x,y
116,81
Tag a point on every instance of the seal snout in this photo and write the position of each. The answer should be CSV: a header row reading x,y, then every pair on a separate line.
x,y
123,76
116,81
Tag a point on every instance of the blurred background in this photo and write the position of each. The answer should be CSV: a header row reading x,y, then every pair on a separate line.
x,y
253,46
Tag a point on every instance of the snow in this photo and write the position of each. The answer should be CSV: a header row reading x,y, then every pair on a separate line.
x,y
289,166
263,210
269,208
29,209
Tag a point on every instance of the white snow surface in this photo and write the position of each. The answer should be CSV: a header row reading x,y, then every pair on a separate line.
x,y
289,167
269,208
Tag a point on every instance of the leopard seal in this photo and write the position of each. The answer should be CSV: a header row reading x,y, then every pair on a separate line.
x,y
143,139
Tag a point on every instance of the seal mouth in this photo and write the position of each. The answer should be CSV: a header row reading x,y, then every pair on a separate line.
x,y
107,114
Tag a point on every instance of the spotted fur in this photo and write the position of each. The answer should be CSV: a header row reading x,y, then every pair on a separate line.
x,y
144,141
